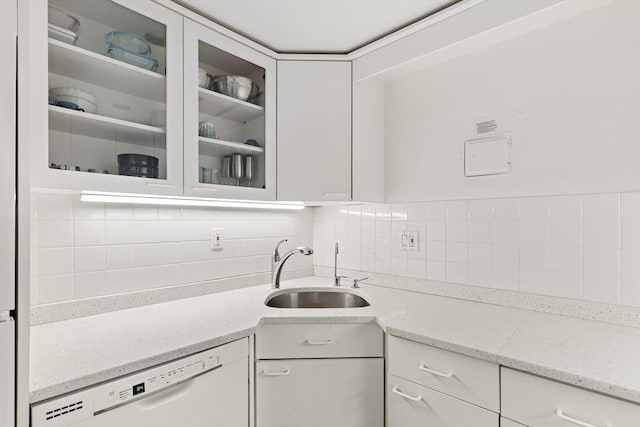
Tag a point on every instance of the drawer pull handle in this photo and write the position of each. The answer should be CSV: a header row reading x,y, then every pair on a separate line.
x,y
276,374
153,184
397,391
310,342
436,373
572,420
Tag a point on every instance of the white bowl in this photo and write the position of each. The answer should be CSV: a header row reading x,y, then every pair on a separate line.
x,y
83,100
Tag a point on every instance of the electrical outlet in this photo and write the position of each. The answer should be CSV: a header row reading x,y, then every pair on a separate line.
x,y
216,239
409,240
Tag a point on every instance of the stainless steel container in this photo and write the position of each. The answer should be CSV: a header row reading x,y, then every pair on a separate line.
x,y
226,170
236,168
238,87
248,169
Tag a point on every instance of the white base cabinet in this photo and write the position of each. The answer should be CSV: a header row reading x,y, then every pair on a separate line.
x,y
427,386
468,379
539,402
319,375
320,393
412,405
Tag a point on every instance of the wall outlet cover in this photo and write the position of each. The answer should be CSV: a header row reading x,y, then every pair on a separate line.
x,y
409,240
217,239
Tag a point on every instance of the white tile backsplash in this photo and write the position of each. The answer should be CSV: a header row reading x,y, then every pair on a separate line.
x,y
577,246
583,247
458,210
436,211
84,250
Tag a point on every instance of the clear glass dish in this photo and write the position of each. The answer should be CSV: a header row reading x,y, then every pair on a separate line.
x,y
127,41
63,35
62,19
146,62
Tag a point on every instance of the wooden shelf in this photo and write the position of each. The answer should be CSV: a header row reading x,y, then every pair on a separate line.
x,y
81,64
219,148
226,107
97,126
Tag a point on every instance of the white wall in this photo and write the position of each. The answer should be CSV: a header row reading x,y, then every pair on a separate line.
x,y
83,250
584,247
568,93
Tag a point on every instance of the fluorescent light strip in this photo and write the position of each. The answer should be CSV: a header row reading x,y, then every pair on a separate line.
x,y
141,199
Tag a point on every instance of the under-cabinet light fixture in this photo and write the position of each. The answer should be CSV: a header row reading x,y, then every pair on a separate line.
x,y
141,199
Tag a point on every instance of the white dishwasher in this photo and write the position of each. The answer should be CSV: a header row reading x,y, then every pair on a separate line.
x,y
208,389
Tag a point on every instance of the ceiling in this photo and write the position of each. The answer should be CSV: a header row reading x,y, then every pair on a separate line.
x,y
314,26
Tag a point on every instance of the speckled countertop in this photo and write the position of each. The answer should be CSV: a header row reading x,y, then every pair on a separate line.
x,y
72,354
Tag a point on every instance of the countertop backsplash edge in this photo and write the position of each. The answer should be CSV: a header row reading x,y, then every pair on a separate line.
x,y
586,310
60,311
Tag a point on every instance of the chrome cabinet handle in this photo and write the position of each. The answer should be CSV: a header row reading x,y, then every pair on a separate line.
x,y
276,374
449,374
310,342
213,190
560,414
153,184
397,391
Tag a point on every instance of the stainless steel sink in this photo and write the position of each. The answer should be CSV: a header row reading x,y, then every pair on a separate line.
x,y
315,298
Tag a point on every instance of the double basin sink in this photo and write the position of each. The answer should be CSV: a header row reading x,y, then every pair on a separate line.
x,y
315,298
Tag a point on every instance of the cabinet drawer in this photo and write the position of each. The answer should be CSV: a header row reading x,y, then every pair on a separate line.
x,y
320,393
299,341
412,405
539,402
466,378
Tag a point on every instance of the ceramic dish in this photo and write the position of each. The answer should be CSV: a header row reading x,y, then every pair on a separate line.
x,y
139,165
83,100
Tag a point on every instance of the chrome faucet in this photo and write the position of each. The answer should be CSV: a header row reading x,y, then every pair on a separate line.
x,y
277,261
336,278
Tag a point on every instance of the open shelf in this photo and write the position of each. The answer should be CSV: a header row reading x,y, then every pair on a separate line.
x,y
97,126
226,107
81,64
219,148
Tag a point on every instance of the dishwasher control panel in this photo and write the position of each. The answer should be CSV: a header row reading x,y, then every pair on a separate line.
x,y
157,380
75,407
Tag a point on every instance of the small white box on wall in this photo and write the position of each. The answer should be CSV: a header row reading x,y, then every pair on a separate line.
x,y
487,156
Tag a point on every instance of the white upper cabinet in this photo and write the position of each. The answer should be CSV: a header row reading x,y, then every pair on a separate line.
x,y
114,80
368,141
314,131
142,100
229,117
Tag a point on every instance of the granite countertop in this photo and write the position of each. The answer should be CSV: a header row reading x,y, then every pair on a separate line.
x,y
73,354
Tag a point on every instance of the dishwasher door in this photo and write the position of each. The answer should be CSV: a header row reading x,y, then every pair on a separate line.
x,y
218,398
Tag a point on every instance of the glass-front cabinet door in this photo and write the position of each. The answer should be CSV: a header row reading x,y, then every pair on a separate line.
x,y
114,104
229,117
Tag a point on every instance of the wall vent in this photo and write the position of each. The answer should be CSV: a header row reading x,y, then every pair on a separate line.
x,y
486,126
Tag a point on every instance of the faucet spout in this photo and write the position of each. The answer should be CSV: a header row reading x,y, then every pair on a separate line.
x,y
278,264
